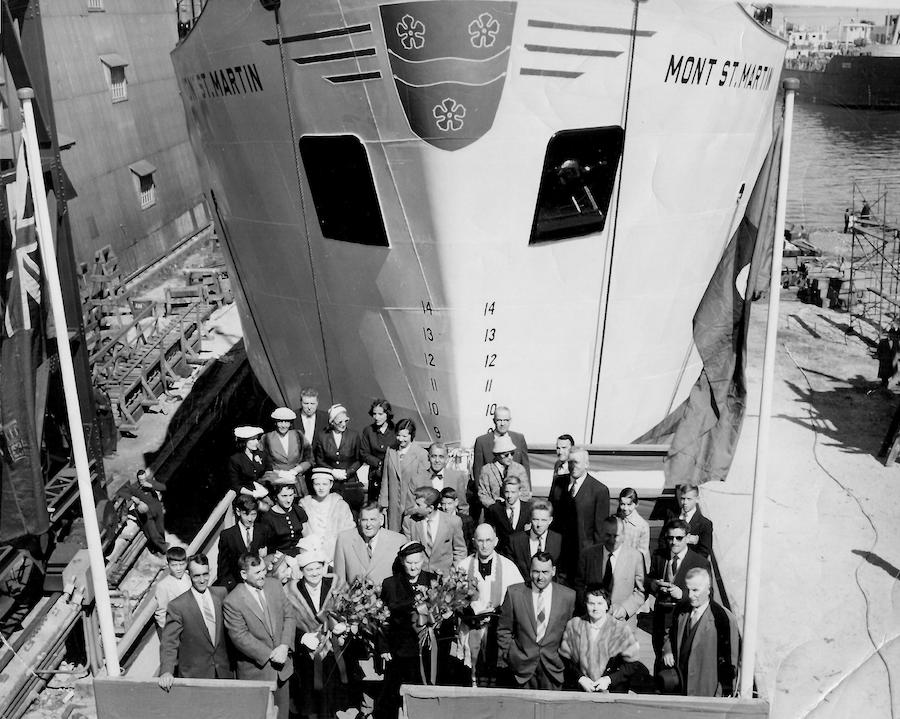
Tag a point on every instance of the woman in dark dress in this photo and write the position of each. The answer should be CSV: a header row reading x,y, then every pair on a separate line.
x,y
338,448
311,597
377,439
247,466
283,523
401,650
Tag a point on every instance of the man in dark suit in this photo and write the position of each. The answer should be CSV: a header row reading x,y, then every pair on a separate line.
x,y
617,568
667,579
311,420
192,644
483,451
703,641
578,511
260,623
532,621
539,538
513,515
245,536
401,650
700,528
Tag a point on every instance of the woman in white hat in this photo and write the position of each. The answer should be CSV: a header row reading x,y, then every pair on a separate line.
x,y
288,452
247,466
311,597
338,449
328,513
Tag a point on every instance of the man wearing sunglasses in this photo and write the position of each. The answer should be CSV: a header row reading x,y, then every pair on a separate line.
x,y
493,475
668,569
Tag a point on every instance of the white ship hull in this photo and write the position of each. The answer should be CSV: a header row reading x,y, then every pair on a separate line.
x,y
590,334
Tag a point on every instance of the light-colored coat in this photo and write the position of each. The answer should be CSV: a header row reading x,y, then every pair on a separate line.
x,y
448,547
490,483
351,557
398,476
250,635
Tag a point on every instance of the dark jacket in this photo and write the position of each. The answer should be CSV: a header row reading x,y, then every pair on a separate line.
x,y
483,452
373,446
348,457
243,472
519,550
399,597
495,515
580,519
231,547
699,525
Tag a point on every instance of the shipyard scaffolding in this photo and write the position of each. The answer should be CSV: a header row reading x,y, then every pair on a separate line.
x,y
873,293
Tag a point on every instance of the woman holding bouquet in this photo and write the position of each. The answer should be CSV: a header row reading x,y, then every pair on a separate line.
x,y
326,668
401,651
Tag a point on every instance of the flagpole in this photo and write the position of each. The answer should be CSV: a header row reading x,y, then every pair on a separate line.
x,y
754,550
76,429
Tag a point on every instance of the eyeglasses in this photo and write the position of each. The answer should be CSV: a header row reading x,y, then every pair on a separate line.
x,y
676,537
506,454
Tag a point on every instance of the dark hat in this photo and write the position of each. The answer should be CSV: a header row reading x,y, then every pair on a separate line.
x,y
410,548
668,681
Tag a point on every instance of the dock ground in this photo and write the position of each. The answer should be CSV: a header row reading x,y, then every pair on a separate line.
x,y
830,600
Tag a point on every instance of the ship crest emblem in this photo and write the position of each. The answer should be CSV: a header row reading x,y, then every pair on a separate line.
x,y
449,85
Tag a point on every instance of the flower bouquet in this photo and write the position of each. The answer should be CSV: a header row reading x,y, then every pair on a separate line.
x,y
352,612
445,597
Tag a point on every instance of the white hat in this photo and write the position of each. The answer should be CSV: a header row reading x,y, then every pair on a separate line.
x,y
321,472
248,432
284,414
335,410
503,443
304,558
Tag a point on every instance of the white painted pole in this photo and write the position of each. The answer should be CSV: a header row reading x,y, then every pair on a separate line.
x,y
754,550
76,430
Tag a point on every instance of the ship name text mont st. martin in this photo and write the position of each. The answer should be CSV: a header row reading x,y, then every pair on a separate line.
x,y
718,72
224,82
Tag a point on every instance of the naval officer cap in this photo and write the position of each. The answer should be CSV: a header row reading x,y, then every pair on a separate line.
x,y
247,432
284,414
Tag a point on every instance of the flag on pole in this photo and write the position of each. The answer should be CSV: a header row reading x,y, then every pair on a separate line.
x,y
23,506
708,423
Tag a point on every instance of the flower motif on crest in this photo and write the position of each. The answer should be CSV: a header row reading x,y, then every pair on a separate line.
x,y
449,115
411,33
483,30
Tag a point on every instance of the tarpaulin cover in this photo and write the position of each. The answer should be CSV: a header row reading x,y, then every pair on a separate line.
x,y
124,698
452,702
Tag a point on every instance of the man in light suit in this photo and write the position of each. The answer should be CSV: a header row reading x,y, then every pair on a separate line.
x,y
192,644
616,567
578,511
369,550
703,642
441,477
539,538
440,533
493,475
261,624
532,621
509,516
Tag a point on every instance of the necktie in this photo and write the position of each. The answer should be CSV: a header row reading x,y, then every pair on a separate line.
x,y
430,525
209,615
369,548
540,546
541,618
608,574
674,566
572,489
509,515
265,608
248,536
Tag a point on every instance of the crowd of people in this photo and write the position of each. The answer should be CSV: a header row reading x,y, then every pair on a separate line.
x,y
557,584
